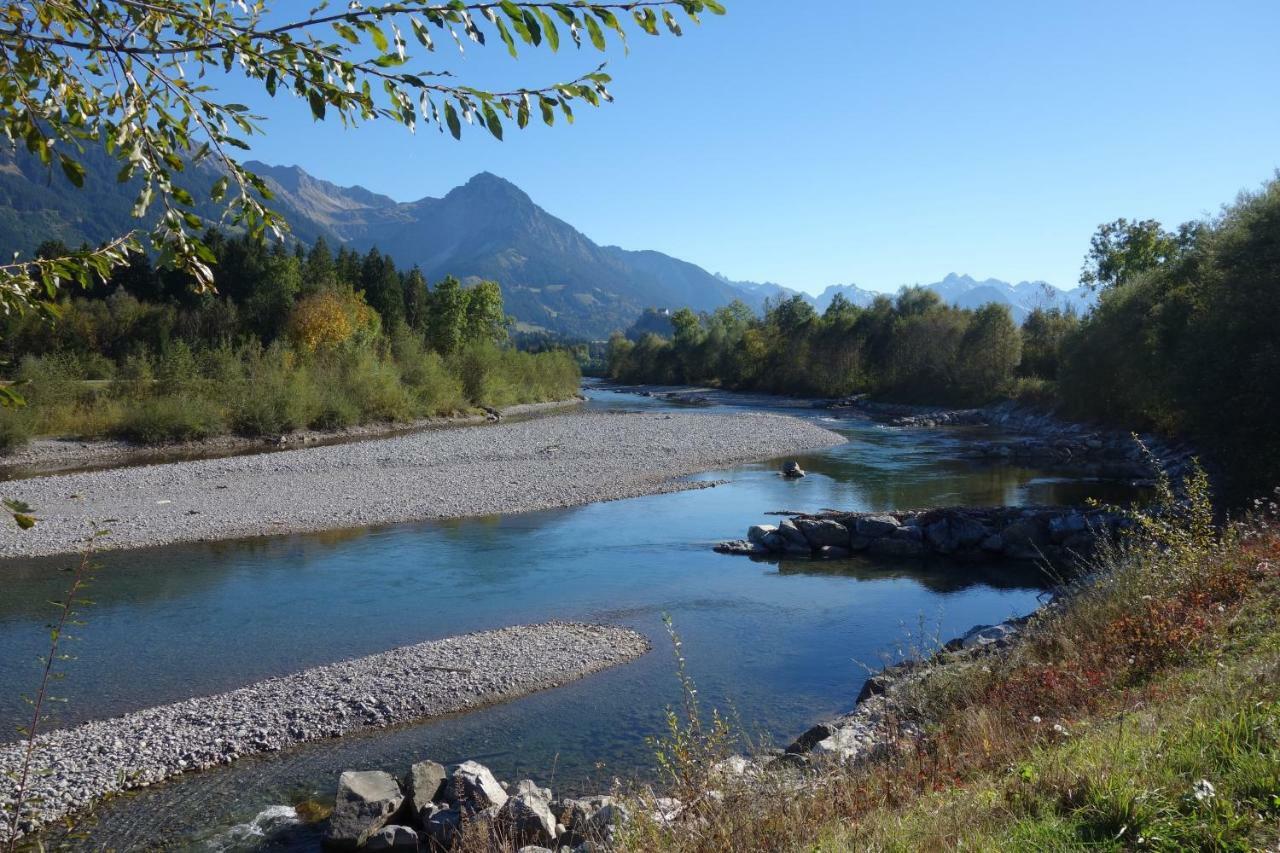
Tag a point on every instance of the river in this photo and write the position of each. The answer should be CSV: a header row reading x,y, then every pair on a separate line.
x,y
776,645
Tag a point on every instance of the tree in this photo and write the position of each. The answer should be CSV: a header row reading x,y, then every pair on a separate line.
x,y
416,300
1043,334
484,320
382,287
446,316
990,351
1120,250
132,77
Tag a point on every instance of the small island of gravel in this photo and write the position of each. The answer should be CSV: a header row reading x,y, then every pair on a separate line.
x,y
96,759
551,462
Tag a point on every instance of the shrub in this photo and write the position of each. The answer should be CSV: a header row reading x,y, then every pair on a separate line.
x,y
172,418
15,429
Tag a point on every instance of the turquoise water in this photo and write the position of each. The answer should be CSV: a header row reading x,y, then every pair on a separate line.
x,y
777,645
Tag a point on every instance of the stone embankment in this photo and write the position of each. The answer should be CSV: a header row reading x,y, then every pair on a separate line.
x,y
1043,439
80,765
962,533
431,808
881,717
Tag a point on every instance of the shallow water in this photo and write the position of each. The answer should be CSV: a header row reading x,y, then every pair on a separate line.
x,y
778,645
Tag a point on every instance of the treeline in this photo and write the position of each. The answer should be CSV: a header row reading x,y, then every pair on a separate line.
x,y
1185,339
291,339
912,347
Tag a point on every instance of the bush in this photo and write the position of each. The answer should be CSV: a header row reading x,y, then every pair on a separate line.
x,y
160,420
15,430
436,389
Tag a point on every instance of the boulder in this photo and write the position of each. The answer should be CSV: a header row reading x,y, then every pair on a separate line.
x,y
528,815
795,541
873,526
364,804
806,741
760,533
908,532
792,470
472,787
592,819
442,828
981,636
948,535
393,839
424,785
834,552
859,543
1063,527
741,547
1024,539
822,532
887,546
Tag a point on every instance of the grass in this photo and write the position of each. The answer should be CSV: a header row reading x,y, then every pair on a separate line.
x,y
1142,711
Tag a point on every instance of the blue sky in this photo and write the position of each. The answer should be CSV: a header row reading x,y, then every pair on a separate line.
x,y
813,142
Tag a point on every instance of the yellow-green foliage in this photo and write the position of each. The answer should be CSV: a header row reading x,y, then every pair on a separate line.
x,y
254,390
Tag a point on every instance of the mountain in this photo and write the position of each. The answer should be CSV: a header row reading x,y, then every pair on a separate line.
x,y
857,295
755,293
553,277
967,292
1022,298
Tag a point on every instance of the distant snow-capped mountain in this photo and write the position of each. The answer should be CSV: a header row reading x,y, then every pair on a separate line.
x,y
967,292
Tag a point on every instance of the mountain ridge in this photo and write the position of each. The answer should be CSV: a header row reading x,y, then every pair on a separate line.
x,y
553,276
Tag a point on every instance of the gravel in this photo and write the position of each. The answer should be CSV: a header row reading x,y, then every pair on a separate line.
x,y
87,762
557,461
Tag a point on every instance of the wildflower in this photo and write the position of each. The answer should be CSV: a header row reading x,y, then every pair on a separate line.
x,y
1060,729
1203,791
1036,719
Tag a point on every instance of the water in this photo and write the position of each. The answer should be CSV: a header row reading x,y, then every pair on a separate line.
x,y
776,644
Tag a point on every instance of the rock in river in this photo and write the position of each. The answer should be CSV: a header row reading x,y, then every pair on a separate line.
x,y
366,801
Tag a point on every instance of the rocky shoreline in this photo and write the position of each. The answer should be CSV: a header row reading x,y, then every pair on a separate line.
x,y
555,461
431,808
880,718
83,764
1043,439
1056,534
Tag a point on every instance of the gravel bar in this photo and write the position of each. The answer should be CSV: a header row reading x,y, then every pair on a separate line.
x,y
557,461
87,762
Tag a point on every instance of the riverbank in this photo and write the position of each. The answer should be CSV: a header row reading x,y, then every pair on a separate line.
x,y
83,764
1141,708
48,456
556,461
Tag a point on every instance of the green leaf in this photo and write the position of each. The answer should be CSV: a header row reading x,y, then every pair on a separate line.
x,y
317,104
492,121
73,170
451,119
346,32
593,30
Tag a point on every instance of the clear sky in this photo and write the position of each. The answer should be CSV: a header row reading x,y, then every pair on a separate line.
x,y
813,142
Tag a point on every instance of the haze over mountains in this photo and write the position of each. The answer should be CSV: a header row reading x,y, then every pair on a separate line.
x,y
553,277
